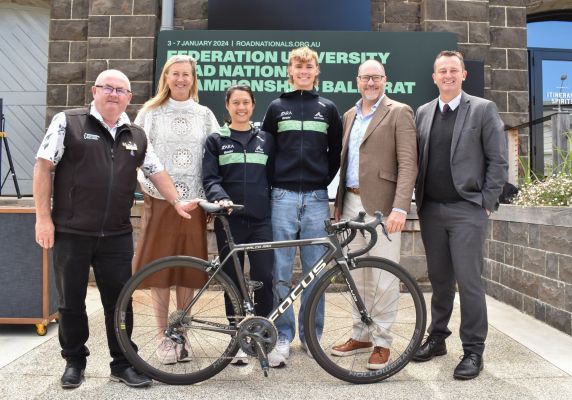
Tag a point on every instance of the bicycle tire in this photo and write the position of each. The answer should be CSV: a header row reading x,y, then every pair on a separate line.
x,y
210,352
405,333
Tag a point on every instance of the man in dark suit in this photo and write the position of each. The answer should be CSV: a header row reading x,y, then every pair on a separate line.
x,y
378,171
462,170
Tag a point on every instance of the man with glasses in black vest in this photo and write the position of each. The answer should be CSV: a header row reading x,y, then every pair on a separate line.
x,y
94,153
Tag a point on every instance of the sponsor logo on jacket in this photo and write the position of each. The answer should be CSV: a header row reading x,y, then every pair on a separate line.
x,y
227,148
90,136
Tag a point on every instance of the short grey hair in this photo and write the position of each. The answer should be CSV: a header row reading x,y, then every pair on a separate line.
x,y
113,73
370,61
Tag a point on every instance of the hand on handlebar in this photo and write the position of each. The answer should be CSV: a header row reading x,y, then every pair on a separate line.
x,y
226,203
184,207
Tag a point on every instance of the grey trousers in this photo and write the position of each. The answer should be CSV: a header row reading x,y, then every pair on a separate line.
x,y
453,235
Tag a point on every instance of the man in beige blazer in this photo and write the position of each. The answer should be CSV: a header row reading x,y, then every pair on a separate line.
x,y
378,172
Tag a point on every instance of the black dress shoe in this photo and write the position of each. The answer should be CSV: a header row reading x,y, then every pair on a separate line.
x,y
131,378
72,377
432,347
470,366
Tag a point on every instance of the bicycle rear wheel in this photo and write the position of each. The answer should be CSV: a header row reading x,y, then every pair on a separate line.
x,y
182,348
396,306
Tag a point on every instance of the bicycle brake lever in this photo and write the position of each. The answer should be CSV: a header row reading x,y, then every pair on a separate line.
x,y
385,231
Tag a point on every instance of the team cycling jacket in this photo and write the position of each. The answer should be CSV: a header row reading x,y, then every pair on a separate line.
x,y
307,129
241,174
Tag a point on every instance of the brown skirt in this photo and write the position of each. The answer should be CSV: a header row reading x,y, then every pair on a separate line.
x,y
165,233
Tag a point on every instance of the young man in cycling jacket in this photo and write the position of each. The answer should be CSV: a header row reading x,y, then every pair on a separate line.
x,y
307,129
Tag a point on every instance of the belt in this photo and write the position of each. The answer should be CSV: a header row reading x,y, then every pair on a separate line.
x,y
353,190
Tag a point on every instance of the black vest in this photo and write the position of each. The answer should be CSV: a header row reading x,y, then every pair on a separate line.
x,y
95,180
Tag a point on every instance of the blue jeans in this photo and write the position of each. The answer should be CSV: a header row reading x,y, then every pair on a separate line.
x,y
297,215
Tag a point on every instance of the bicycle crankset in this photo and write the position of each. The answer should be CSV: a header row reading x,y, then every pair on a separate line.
x,y
257,329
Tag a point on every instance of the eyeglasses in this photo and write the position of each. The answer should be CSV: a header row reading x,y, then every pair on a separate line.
x,y
109,89
366,78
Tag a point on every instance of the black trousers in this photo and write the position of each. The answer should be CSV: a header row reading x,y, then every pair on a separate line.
x,y
453,235
111,260
247,230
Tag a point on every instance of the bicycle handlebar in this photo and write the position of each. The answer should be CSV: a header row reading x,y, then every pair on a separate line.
x,y
214,208
353,232
356,224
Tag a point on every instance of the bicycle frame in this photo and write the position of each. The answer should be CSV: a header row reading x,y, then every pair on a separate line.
x,y
332,253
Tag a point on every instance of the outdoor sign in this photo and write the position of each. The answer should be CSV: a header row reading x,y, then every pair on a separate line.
x,y
556,75
259,59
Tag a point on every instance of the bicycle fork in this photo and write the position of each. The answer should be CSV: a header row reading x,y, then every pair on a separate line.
x,y
360,305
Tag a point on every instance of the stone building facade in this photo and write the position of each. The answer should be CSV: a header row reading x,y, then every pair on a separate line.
x,y
88,36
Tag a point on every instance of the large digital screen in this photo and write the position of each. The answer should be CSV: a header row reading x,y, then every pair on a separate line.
x,y
320,15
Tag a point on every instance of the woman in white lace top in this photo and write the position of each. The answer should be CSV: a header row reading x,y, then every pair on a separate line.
x,y
177,126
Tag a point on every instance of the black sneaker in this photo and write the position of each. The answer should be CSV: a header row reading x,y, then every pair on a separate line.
x,y
131,378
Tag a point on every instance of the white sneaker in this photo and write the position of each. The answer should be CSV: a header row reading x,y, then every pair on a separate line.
x,y
240,359
166,351
283,346
276,359
305,349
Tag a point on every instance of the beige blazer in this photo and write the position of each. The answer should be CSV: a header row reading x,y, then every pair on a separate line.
x,y
387,158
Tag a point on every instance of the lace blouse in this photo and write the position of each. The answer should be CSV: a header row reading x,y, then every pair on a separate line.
x,y
178,131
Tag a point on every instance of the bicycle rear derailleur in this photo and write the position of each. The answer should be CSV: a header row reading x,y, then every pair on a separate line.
x,y
257,337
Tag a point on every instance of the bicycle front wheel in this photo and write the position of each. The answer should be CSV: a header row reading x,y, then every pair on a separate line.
x,y
397,321
162,341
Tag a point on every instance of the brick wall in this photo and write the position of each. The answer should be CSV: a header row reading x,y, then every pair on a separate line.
x,y
87,37
67,55
528,262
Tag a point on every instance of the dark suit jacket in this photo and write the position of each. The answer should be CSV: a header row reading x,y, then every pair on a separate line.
x,y
387,158
478,151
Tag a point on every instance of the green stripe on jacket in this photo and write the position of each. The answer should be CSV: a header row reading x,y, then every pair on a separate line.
x,y
293,125
238,158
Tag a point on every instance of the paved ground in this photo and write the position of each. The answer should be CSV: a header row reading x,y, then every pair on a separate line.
x,y
525,359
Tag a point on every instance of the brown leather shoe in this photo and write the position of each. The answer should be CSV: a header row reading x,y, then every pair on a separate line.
x,y
378,358
351,347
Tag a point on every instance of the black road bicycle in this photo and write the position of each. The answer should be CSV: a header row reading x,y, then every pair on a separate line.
x,y
213,337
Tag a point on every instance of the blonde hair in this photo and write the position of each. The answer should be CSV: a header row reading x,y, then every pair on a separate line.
x,y
163,91
304,55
